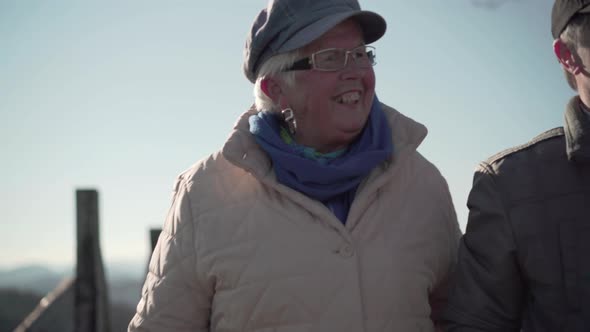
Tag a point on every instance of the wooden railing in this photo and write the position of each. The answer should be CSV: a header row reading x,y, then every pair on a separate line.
x,y
31,321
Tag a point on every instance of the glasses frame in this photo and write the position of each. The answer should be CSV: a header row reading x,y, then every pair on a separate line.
x,y
309,62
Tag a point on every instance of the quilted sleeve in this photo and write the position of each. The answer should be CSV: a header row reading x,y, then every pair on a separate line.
x,y
439,295
173,299
487,289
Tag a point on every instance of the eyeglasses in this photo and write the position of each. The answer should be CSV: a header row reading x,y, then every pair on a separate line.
x,y
334,59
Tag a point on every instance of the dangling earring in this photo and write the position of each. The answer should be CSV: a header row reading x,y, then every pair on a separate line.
x,y
289,118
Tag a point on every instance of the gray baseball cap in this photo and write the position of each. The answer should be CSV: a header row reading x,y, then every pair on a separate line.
x,y
286,25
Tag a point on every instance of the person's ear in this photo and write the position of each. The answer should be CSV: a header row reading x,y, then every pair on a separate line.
x,y
271,88
566,57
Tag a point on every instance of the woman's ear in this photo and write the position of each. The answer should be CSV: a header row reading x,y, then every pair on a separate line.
x,y
566,57
271,88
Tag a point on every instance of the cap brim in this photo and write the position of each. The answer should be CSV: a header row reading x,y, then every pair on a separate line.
x,y
372,24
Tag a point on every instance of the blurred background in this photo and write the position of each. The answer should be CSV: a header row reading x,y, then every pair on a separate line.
x,y
121,96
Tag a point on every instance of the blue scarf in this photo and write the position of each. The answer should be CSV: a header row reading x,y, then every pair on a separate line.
x,y
334,182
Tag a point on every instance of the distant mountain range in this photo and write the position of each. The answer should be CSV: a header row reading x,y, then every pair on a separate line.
x,y
22,288
124,280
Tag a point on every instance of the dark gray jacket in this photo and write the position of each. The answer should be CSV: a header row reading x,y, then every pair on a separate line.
x,y
524,261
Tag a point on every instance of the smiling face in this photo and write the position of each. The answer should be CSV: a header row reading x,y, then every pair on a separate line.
x,y
331,108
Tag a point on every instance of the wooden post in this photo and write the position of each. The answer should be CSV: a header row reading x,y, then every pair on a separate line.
x,y
154,235
91,306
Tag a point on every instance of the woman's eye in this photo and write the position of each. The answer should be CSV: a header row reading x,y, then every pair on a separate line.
x,y
360,54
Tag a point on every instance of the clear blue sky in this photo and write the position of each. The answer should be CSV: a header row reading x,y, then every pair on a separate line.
x,y
122,96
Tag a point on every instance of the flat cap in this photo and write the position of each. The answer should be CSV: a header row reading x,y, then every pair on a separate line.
x,y
286,25
563,11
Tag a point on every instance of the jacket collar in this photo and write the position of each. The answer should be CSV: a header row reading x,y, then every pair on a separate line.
x,y
242,150
577,132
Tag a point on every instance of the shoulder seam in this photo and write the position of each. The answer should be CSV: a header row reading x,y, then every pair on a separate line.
x,y
549,134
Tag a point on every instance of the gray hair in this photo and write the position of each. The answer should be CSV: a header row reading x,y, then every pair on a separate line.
x,y
574,36
274,67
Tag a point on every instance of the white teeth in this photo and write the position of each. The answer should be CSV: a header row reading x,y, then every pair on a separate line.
x,y
349,98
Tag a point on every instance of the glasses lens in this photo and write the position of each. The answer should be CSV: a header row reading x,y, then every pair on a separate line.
x,y
333,59
330,59
363,56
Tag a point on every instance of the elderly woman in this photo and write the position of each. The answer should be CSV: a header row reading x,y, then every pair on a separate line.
x,y
318,214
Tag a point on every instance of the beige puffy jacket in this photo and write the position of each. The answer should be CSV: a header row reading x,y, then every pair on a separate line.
x,y
241,252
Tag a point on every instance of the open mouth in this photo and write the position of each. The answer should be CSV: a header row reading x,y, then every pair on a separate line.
x,y
349,98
